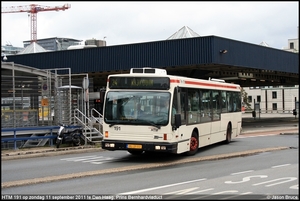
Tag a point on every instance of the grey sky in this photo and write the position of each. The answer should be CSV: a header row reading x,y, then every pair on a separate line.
x,y
137,22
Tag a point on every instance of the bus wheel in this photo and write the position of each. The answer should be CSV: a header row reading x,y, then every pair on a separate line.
x,y
135,152
194,144
228,134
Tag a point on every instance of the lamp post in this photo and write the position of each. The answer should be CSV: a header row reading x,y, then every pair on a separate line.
x,y
22,99
13,90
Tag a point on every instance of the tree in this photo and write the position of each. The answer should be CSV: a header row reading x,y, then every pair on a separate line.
x,y
245,102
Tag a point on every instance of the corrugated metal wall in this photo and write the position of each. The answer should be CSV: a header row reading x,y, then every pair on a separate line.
x,y
254,56
167,53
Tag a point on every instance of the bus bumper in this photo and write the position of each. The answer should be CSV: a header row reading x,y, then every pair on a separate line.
x,y
153,147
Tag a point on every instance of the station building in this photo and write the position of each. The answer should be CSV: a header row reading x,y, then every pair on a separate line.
x,y
185,53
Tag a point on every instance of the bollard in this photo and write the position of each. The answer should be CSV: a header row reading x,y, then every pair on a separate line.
x,y
253,113
295,113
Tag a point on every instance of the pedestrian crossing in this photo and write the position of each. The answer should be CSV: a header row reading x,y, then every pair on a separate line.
x,y
93,159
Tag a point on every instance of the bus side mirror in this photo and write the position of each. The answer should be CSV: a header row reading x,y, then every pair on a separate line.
x,y
177,121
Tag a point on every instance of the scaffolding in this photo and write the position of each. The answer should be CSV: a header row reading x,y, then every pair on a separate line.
x,y
34,99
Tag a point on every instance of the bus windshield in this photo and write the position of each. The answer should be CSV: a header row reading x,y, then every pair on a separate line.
x,y
137,108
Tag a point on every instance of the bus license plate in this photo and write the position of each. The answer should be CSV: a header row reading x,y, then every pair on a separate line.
x,y
134,146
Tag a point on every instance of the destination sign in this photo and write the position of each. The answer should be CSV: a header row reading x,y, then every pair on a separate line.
x,y
139,83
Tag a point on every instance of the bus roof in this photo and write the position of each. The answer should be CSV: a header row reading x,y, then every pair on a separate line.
x,y
181,81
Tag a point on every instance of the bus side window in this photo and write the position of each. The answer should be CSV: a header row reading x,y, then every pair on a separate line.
x,y
216,105
183,105
193,97
236,102
206,105
224,101
229,102
234,106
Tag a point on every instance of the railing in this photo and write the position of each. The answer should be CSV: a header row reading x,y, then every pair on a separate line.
x,y
86,123
80,120
45,129
98,119
278,111
15,138
272,111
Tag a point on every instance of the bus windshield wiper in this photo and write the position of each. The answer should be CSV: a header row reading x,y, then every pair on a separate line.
x,y
114,123
135,120
153,124
110,125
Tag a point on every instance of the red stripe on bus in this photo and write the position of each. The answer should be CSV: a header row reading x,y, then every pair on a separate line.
x,y
210,84
174,81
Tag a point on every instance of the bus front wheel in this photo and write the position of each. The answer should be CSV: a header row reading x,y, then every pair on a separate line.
x,y
194,144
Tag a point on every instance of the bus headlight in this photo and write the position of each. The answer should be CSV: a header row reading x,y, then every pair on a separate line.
x,y
160,147
109,145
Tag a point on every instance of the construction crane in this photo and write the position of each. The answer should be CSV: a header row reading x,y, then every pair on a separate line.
x,y
33,9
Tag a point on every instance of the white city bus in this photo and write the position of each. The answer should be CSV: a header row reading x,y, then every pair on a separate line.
x,y
203,112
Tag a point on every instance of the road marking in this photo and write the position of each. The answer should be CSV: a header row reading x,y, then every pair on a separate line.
x,y
201,191
160,187
94,159
242,172
253,135
285,179
277,166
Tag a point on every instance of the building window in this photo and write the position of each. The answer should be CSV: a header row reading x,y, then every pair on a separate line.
x,y
274,94
258,99
291,45
274,106
250,99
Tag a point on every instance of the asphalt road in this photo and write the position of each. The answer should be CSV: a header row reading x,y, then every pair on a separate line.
x,y
18,175
251,126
